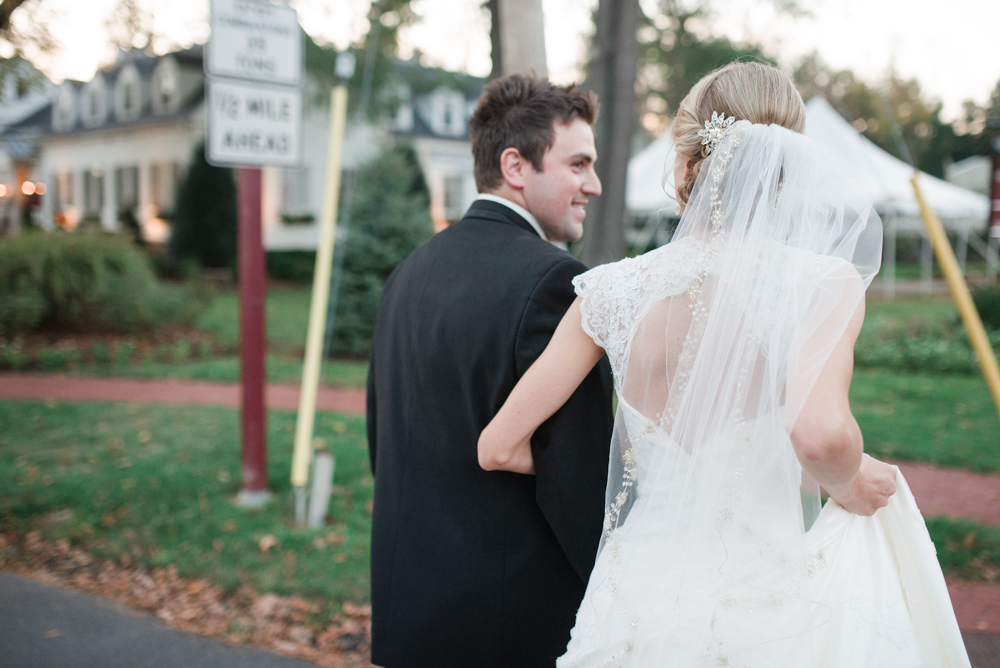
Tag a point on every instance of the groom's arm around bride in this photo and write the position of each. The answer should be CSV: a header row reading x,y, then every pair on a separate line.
x,y
474,567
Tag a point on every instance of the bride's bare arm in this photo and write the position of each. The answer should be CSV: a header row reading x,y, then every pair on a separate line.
x,y
505,444
828,441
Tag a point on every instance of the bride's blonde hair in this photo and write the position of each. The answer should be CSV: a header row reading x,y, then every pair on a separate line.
x,y
748,91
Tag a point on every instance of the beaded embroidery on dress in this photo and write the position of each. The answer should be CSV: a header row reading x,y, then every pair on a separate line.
x,y
714,551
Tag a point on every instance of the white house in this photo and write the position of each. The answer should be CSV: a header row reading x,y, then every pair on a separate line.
x,y
121,142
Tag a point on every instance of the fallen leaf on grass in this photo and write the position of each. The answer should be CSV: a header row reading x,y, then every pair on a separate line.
x,y
266,543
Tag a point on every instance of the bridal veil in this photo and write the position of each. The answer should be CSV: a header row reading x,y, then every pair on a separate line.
x,y
716,340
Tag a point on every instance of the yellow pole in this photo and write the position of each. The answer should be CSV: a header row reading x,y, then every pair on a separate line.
x,y
318,308
960,293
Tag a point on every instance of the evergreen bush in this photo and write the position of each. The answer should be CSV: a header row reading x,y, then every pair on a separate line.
x,y
389,218
295,266
85,282
987,300
204,225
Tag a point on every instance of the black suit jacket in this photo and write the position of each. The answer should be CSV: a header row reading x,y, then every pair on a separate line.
x,y
469,567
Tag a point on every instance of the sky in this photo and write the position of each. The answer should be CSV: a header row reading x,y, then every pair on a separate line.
x,y
950,47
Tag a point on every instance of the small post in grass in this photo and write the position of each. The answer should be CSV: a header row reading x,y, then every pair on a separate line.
x,y
321,288
960,293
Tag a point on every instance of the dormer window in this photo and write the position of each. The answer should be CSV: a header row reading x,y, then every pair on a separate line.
x,y
447,112
402,119
95,102
64,117
166,86
128,94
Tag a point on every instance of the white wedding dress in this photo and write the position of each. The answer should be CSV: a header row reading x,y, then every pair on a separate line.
x,y
715,551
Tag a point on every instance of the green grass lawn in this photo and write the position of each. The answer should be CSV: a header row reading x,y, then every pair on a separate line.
x,y
908,311
157,483
286,319
946,420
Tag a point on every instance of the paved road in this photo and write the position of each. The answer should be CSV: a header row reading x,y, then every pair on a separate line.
x,y
44,627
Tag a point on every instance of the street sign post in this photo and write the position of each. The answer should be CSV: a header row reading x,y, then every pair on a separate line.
x,y
255,40
254,124
254,66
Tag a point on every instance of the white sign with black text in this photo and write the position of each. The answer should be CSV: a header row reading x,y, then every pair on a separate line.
x,y
252,124
255,39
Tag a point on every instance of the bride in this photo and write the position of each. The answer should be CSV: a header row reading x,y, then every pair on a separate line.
x,y
732,349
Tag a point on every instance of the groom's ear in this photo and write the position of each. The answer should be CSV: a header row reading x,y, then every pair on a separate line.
x,y
513,167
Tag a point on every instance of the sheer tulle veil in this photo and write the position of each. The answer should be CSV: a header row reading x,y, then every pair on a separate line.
x,y
716,339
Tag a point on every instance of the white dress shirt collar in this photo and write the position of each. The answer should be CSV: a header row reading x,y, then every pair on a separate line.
x,y
524,213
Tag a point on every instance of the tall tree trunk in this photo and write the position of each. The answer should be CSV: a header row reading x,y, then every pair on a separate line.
x,y
521,40
496,50
612,77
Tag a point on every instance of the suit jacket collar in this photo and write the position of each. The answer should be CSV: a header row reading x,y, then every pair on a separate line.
x,y
487,210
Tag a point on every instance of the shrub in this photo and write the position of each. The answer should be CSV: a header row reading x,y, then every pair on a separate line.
x,y
22,308
390,218
294,266
987,301
204,226
84,282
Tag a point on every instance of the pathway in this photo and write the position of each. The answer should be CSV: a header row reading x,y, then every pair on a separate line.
x,y
169,391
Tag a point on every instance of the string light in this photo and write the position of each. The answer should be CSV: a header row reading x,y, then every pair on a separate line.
x,y
28,188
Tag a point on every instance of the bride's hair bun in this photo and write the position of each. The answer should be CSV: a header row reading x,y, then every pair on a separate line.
x,y
748,91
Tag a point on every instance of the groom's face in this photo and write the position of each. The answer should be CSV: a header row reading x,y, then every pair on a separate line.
x,y
557,194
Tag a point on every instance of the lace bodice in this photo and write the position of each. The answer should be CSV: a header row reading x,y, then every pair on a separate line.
x,y
617,295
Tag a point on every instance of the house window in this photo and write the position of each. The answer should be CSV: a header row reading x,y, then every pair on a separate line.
x,y
126,188
453,198
93,192
130,103
64,117
166,86
63,195
163,180
295,190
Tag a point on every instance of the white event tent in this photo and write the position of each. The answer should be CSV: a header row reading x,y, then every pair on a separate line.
x,y
650,188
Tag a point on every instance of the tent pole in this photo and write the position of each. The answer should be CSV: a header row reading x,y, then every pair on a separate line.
x,y
889,260
960,293
962,249
927,265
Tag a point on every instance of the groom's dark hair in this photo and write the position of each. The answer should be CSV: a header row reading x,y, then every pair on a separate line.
x,y
519,111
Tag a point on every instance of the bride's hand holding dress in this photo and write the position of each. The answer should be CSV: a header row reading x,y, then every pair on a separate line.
x,y
826,437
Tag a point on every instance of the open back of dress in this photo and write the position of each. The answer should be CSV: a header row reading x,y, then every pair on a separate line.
x,y
709,555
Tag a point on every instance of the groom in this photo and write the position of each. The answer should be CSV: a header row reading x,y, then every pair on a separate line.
x,y
470,567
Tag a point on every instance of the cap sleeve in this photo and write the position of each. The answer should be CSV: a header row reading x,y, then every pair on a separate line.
x,y
605,309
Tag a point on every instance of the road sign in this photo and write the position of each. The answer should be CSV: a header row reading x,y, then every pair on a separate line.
x,y
255,40
252,124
